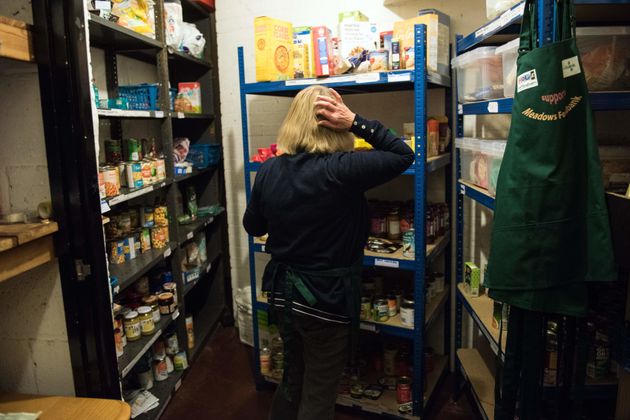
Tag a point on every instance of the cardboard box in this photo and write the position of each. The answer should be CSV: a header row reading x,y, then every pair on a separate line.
x,y
189,97
472,278
322,51
357,35
352,16
303,61
438,36
273,40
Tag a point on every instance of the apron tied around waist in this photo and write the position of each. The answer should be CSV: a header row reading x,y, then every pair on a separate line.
x,y
291,278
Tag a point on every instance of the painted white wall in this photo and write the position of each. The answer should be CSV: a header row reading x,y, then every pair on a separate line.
x,y
34,352
235,28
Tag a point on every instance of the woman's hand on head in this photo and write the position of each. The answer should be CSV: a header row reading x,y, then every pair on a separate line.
x,y
333,113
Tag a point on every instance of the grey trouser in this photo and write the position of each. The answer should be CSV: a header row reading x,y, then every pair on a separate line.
x,y
316,358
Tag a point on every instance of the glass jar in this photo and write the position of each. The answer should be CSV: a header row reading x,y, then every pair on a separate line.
x,y
381,310
160,368
147,326
166,302
407,311
171,287
265,361
152,302
430,234
393,225
132,326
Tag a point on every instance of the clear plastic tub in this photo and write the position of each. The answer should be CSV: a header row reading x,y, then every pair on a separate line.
x,y
509,54
605,54
480,161
479,75
495,7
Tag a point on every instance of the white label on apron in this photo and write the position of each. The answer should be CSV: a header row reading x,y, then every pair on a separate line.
x,y
527,80
571,67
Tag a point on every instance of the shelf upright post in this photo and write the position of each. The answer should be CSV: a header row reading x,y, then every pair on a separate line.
x,y
448,254
250,240
546,21
420,130
459,216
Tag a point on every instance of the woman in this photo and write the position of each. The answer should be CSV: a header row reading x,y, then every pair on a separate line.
x,y
310,200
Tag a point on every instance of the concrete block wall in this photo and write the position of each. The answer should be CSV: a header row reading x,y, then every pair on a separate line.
x,y
34,352
235,28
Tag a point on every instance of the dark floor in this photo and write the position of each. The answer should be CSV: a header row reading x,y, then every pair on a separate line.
x,y
220,386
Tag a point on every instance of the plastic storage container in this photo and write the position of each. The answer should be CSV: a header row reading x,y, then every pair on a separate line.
x,y
244,315
495,7
481,161
605,54
509,54
479,75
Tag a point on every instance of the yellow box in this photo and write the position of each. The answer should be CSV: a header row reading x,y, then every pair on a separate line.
x,y
303,61
274,49
438,33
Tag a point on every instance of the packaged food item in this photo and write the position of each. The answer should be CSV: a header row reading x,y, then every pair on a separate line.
x,y
145,240
340,65
323,53
132,326
147,217
265,361
191,202
133,173
160,216
192,251
159,237
190,332
132,149
379,60
147,325
111,179
380,309
172,344
137,15
409,243
116,252
118,342
113,152
147,178
303,64
160,369
438,38
189,97
166,302
161,169
403,390
472,278
180,361
386,40
274,43
495,7
433,137
101,184
407,311
352,16
171,287
203,250
355,35
396,62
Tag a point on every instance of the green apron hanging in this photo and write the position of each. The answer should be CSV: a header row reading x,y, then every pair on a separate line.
x,y
550,231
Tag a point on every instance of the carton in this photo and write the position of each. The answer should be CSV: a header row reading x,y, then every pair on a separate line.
x,y
303,61
472,278
274,49
358,35
352,16
438,35
322,51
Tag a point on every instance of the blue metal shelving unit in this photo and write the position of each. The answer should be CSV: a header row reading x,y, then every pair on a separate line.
x,y
600,101
417,80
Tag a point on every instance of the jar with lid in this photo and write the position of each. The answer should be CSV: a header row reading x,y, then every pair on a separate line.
x,y
132,326
366,308
172,288
166,302
407,311
380,309
152,302
147,326
393,225
265,361
160,368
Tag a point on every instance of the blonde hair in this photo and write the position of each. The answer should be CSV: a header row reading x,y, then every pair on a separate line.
x,y
300,132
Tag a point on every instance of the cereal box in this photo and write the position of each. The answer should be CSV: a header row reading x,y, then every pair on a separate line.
x,y
322,51
358,35
303,63
472,278
189,97
438,33
274,49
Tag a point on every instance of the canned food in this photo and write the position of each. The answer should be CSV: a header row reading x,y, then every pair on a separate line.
x,y
366,308
101,184
161,169
403,390
133,173
153,164
409,244
392,307
112,151
148,217
381,310
147,326
133,149
145,166
159,237
160,216
160,369
132,326
166,303
379,60
407,312
111,179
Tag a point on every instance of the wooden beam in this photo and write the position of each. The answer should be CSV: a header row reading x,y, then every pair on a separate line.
x,y
16,40
26,257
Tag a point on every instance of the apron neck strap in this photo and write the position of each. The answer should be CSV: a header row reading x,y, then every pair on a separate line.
x,y
528,28
564,23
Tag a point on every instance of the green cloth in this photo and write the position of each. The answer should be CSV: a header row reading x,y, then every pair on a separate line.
x,y
550,231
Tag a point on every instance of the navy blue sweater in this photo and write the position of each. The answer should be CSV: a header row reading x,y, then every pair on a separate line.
x,y
313,205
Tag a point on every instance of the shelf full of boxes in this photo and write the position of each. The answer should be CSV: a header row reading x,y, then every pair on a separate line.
x,y
489,93
412,315
161,192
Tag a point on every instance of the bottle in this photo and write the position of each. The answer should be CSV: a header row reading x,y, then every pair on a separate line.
x,y
265,361
433,137
393,225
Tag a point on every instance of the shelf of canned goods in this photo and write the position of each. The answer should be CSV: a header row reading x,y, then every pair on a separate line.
x,y
396,316
483,312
